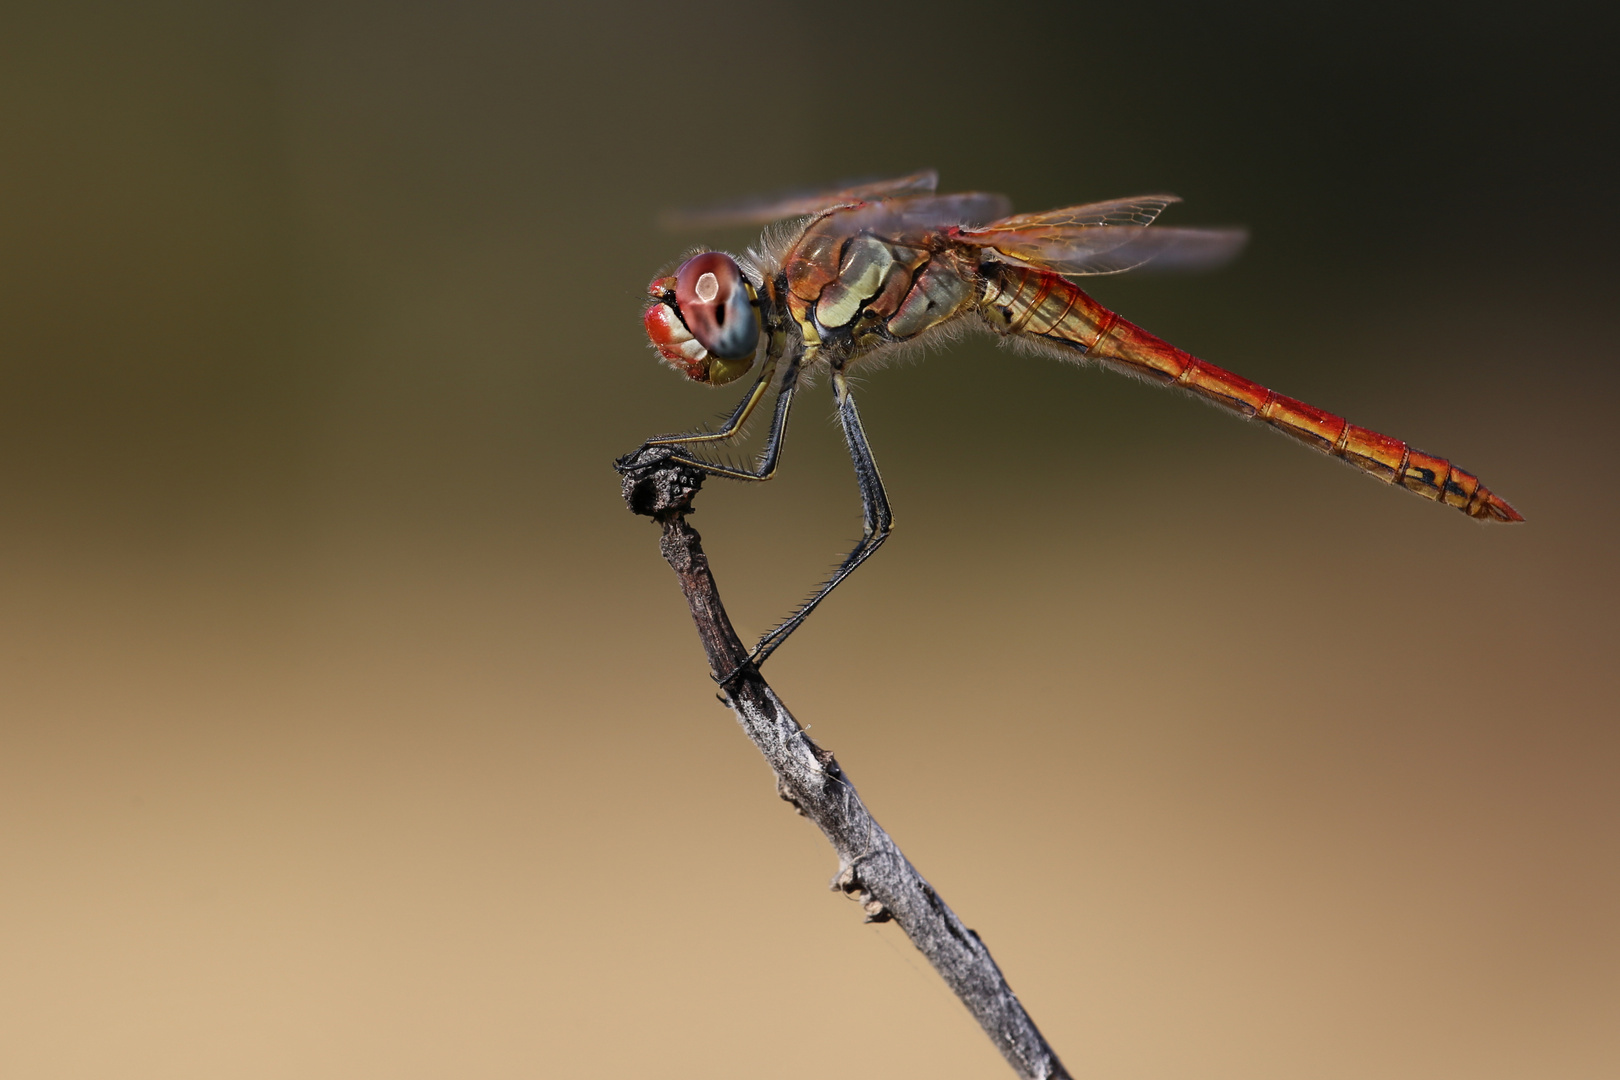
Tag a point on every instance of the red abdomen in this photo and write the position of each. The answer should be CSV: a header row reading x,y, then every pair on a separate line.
x,y
1043,306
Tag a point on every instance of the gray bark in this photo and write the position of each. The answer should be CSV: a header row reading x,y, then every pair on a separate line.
x,y
871,868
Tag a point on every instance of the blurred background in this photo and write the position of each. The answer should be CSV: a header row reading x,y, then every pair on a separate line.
x,y
350,727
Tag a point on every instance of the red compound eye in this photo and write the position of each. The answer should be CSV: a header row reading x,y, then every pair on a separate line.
x,y
712,295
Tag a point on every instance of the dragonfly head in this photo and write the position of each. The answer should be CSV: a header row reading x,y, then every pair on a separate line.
x,y
704,320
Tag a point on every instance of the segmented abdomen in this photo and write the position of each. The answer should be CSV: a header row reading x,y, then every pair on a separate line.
x,y
1044,306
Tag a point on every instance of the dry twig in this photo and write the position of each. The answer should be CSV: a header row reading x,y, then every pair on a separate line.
x,y
871,868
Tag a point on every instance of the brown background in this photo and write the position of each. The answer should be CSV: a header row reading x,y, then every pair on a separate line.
x,y
351,728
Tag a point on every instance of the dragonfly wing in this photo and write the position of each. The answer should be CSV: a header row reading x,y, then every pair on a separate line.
x,y
1087,250
1118,248
763,210
908,217
1162,250
1138,210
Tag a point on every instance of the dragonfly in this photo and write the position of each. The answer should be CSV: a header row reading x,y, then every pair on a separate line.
x,y
844,277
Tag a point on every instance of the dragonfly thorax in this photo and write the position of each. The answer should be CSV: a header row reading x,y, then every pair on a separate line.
x,y
704,320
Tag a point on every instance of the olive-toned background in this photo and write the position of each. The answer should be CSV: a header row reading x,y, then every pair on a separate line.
x,y
351,728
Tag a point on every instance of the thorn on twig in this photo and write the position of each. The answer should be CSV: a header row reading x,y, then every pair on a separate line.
x,y
785,793
849,883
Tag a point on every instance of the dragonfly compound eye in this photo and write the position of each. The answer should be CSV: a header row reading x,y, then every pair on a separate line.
x,y
717,306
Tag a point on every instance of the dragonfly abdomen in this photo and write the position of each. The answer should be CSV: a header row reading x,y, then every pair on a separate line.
x,y
1044,306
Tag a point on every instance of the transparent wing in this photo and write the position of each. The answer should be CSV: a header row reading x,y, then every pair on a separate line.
x,y
909,217
763,210
1106,238
1151,250
1138,210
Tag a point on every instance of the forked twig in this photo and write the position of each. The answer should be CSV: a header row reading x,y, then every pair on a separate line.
x,y
871,868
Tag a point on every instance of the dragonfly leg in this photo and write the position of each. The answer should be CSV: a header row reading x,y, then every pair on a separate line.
x,y
728,430
765,467
876,520
734,424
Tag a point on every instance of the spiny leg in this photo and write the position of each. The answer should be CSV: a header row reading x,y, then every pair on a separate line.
x,y
876,520
734,424
765,467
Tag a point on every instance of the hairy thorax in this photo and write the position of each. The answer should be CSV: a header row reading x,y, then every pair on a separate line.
x,y
851,292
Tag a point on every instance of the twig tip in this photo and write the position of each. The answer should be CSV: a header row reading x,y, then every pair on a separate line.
x,y
655,487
